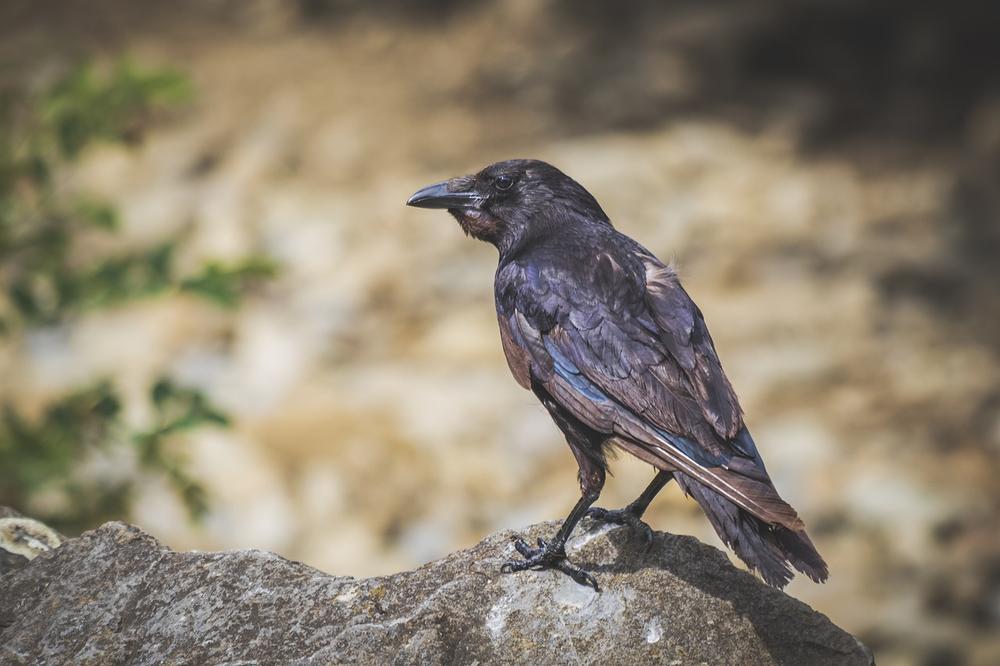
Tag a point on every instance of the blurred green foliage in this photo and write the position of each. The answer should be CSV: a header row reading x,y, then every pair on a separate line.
x,y
50,452
45,280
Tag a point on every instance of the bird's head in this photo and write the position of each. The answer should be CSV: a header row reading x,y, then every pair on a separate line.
x,y
509,202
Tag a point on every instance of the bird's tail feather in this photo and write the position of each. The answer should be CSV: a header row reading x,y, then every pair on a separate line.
x,y
744,481
768,549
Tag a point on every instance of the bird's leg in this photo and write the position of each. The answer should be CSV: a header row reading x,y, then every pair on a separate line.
x,y
631,515
551,554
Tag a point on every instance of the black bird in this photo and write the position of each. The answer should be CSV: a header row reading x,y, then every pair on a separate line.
x,y
602,332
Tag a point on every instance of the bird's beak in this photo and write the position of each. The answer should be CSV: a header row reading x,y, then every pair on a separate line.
x,y
440,196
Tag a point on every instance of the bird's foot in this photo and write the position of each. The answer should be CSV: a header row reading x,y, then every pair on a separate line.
x,y
624,516
547,556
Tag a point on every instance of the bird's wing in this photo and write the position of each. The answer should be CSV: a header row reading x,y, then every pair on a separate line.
x,y
638,364
684,333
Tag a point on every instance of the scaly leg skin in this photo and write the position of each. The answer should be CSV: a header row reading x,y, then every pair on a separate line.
x,y
631,515
552,554
548,555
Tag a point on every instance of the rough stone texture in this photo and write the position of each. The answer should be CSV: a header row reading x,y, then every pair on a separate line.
x,y
9,560
116,595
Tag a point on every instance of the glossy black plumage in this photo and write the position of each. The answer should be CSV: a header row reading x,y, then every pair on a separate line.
x,y
605,336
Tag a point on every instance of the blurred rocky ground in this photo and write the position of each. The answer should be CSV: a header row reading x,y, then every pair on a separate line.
x,y
826,174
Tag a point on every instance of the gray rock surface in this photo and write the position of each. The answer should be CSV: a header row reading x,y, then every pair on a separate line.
x,y
115,595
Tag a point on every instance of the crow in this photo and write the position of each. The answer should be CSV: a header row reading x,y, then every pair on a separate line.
x,y
605,336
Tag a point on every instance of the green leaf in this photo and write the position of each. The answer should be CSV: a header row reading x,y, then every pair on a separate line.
x,y
97,213
225,284
87,105
162,391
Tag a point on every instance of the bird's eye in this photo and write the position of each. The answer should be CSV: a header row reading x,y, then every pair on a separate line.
x,y
503,183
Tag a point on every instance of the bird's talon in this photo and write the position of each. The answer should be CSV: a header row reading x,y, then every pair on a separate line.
x,y
522,547
588,580
546,557
646,531
597,513
622,517
579,575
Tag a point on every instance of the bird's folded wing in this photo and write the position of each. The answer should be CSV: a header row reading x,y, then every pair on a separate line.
x,y
683,331
649,376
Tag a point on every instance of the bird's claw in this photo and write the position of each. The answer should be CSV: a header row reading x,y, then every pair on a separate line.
x,y
547,557
622,517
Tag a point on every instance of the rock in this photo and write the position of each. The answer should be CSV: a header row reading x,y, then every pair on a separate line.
x,y
116,595
22,539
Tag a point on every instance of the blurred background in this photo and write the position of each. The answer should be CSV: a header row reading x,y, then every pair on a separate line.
x,y
219,321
